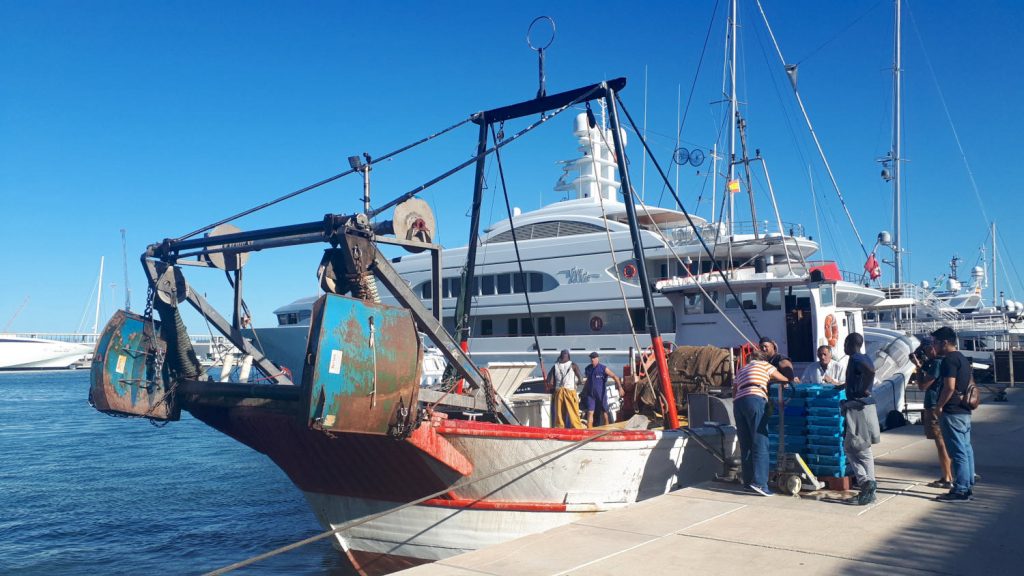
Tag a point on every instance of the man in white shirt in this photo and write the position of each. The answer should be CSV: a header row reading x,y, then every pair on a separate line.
x,y
825,370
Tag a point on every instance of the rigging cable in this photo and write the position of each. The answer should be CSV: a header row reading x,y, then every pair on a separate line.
x,y
544,118
322,182
810,127
689,219
515,245
693,85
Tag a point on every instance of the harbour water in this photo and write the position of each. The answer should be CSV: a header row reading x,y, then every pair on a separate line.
x,y
84,493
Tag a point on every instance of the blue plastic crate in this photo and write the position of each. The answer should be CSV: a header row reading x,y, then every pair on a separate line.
x,y
823,402
818,440
824,411
831,420
836,451
821,460
831,430
836,471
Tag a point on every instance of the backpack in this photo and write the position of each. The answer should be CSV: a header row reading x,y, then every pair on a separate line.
x,y
971,397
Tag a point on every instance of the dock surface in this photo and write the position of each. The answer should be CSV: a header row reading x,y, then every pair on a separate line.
x,y
716,528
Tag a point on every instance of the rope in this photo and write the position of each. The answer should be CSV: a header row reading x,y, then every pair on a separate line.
x,y
472,160
320,183
515,245
679,202
352,524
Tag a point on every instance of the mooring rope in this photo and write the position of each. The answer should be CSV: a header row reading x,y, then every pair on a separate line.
x,y
365,519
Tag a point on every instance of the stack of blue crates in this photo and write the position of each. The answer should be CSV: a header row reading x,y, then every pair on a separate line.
x,y
814,427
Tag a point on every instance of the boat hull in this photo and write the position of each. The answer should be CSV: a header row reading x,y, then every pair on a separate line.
x,y
18,353
347,478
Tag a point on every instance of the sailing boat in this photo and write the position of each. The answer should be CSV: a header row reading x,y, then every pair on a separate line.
x,y
402,475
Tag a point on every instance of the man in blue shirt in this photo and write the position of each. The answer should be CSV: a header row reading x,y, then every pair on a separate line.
x,y
861,418
955,421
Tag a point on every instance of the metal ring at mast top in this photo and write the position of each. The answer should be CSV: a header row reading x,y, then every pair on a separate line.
x,y
530,31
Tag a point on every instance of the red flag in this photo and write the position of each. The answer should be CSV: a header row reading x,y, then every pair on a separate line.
x,y
872,267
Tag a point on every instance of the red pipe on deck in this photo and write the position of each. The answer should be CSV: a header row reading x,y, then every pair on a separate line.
x,y
666,383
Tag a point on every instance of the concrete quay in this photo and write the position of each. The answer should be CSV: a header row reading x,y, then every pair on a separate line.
x,y
716,528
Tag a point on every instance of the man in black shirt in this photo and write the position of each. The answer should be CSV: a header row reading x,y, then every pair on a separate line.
x,y
860,417
955,421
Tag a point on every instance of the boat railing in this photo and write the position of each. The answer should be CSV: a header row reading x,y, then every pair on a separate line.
x,y
713,231
90,338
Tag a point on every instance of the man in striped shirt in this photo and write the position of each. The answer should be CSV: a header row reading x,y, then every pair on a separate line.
x,y
750,398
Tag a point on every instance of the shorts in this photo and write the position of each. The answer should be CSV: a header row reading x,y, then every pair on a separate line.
x,y
930,419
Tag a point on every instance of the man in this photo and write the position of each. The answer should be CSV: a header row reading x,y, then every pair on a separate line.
x,y
929,381
563,378
955,420
595,394
750,398
824,371
861,419
772,356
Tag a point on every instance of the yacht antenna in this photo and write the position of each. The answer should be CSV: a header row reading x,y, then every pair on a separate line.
x,y
99,296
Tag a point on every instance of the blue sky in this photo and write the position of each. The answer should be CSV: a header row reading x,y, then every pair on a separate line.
x,y
160,117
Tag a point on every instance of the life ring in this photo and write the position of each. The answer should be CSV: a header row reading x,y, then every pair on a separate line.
x,y
596,323
629,271
831,330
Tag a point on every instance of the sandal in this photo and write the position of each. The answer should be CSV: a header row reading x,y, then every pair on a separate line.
x,y
941,484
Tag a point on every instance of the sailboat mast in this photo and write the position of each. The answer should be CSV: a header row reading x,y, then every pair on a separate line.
x,y
99,298
897,245
732,113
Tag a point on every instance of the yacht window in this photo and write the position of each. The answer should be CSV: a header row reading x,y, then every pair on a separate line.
x,y
425,290
475,290
513,327
749,300
730,302
526,327
709,303
693,304
639,316
536,282
771,299
559,325
487,284
663,271
544,326
681,269
486,327
517,283
504,284
827,295
456,287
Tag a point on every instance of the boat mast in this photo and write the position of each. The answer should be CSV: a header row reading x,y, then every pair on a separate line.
x,y
732,115
99,296
897,246
671,417
995,278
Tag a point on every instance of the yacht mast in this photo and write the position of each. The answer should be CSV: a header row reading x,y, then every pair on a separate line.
x,y
732,115
995,278
897,245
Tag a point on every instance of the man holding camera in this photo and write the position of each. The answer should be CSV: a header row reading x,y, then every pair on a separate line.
x,y
928,373
955,420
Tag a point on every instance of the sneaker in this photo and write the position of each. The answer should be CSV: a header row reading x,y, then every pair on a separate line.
x,y
758,490
953,497
977,478
941,484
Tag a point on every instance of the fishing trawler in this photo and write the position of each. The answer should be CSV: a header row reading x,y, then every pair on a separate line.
x,y
398,473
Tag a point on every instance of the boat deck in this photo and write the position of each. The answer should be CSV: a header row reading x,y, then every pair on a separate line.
x,y
716,528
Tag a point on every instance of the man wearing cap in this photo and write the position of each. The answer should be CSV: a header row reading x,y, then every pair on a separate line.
x,y
563,378
929,381
771,352
595,394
